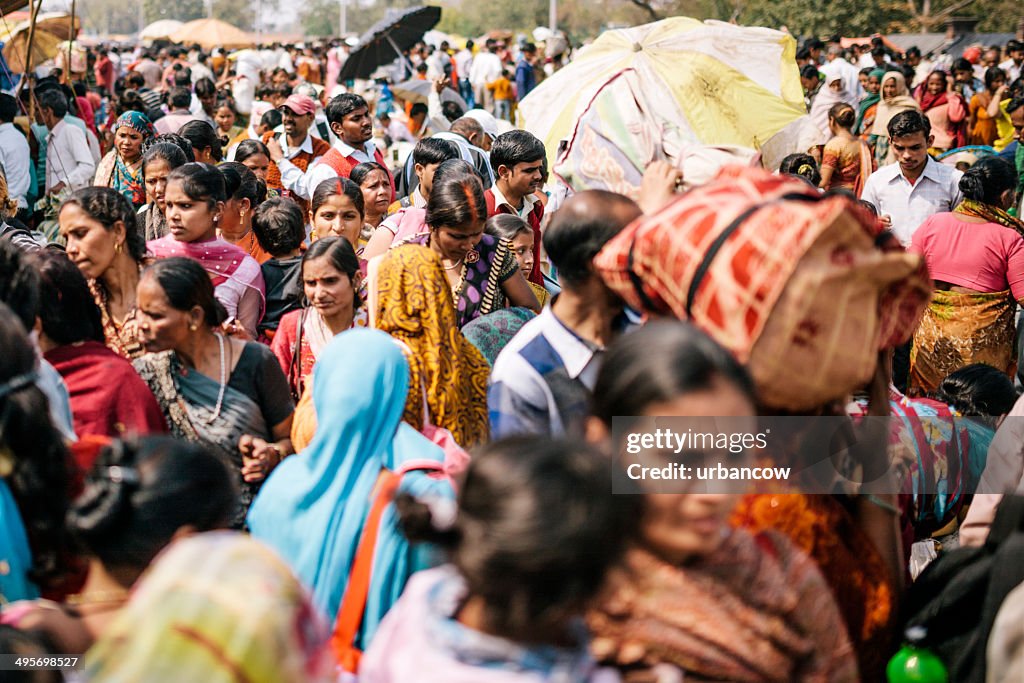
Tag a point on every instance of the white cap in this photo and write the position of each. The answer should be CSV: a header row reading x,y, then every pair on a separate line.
x,y
486,121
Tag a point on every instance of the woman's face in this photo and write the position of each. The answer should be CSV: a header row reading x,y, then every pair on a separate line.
x,y
190,220
863,78
161,326
376,192
936,84
257,163
455,242
156,173
330,291
997,83
90,245
129,143
338,216
889,88
682,526
522,247
874,85
224,118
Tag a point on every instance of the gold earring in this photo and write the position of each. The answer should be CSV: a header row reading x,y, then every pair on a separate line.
x,y
118,247
193,327
241,214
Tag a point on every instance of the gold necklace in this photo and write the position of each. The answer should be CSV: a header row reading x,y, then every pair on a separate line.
x,y
98,597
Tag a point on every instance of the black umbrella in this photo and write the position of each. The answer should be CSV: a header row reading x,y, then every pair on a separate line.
x,y
387,39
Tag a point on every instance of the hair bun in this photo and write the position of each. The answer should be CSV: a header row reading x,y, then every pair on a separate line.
x,y
108,491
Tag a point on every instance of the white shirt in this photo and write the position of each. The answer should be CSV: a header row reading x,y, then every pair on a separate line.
x,y
15,159
486,68
292,177
321,171
463,63
1012,70
936,190
68,158
528,202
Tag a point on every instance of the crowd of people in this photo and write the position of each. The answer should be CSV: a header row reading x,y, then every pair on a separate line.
x,y
278,403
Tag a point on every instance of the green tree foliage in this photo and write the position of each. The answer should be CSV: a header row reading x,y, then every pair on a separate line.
x,y
323,17
240,13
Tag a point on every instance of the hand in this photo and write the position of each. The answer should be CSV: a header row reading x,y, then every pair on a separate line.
x,y
233,328
886,221
659,185
441,83
1000,91
276,153
57,189
259,457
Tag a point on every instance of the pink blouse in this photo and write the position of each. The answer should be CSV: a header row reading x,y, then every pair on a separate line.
x,y
986,257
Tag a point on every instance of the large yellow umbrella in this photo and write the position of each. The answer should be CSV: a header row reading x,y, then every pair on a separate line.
x,y
44,46
671,89
211,33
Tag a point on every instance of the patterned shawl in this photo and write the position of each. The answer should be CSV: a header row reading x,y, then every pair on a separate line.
x,y
415,306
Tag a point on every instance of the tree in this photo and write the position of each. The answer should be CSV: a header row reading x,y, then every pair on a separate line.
x,y
240,13
182,10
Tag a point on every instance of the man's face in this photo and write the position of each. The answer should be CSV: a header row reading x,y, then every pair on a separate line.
x,y
913,61
1017,56
356,127
963,76
295,125
809,84
1017,119
524,177
911,151
990,58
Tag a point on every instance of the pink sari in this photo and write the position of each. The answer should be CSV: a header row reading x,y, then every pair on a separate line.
x,y
231,270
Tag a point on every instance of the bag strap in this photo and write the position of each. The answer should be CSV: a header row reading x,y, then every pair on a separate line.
x,y
1009,518
353,602
295,371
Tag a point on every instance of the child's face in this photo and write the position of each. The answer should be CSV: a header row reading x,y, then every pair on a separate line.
x,y
522,247
873,85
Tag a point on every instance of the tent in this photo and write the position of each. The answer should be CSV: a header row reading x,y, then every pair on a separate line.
x,y
164,28
211,33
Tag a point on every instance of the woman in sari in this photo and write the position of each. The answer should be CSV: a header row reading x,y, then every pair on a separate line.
x,y
225,393
946,110
244,195
121,168
103,240
807,355
975,255
331,281
846,161
314,507
219,608
374,181
157,163
481,270
718,603
985,111
895,99
107,397
867,107
195,198
411,300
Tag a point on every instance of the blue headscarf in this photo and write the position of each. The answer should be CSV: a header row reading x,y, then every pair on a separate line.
x,y
136,121
313,506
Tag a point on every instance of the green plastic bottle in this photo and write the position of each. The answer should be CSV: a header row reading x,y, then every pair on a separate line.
x,y
914,663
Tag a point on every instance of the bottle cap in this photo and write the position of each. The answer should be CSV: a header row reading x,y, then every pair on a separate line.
x,y
915,635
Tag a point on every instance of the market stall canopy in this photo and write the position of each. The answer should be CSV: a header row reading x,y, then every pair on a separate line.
x,y
418,90
211,33
164,28
8,6
698,94
387,39
44,46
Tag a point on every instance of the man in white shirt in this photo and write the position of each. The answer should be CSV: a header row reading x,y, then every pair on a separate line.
x,y
69,163
349,118
486,68
295,152
464,64
15,157
1014,66
916,186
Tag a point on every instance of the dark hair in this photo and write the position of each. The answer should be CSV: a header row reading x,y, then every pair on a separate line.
x,y
658,363
991,74
878,52
279,226
19,284
866,71
187,285
139,493
809,71
456,197
506,226
452,111
108,206
41,478
271,119
909,122
250,147
434,151
978,390
179,97
803,54
801,166
342,105
174,139
130,100
843,114
418,108
913,51
67,310
333,187
135,79
200,182
241,183
961,64
54,100
167,152
8,108
536,531
361,171
31,643
988,179
342,256
515,147
1014,45
581,227
204,87
226,102
202,135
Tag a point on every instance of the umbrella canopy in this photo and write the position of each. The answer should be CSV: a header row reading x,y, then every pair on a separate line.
x,y
44,46
418,90
57,23
674,89
384,42
211,33
164,28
